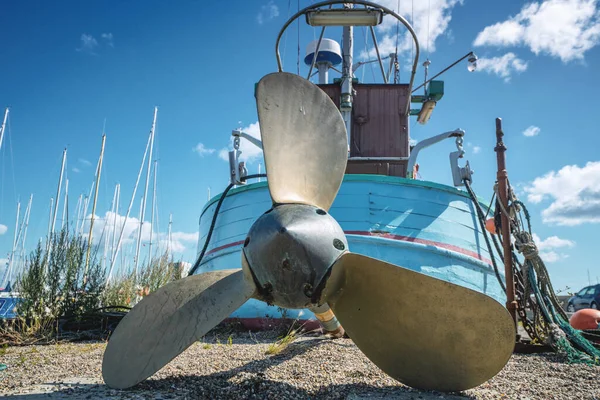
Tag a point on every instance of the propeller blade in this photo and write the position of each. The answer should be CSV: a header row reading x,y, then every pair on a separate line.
x,y
422,331
304,140
168,321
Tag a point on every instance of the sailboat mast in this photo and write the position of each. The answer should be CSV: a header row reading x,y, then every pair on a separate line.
x,y
12,254
98,174
60,179
139,241
153,210
26,224
78,212
50,218
65,214
169,236
112,246
137,182
86,203
3,126
106,241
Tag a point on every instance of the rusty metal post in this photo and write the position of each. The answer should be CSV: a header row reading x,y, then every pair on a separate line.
x,y
502,177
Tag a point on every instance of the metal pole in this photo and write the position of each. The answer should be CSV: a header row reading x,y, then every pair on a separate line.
x,y
169,236
62,171
50,219
78,212
139,242
3,126
65,214
137,182
152,216
12,254
27,213
502,177
106,240
112,245
89,246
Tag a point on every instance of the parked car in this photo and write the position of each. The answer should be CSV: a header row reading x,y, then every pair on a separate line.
x,y
588,297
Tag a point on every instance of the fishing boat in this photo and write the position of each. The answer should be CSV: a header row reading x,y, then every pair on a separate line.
x,y
385,211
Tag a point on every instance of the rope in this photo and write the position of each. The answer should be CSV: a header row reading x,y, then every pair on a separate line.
x,y
550,323
214,221
481,220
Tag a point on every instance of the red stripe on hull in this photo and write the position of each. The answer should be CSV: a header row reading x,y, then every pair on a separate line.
x,y
441,245
422,241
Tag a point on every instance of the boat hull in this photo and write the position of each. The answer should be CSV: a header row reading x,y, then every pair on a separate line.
x,y
424,226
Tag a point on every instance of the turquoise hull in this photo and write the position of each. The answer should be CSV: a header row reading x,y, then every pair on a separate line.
x,y
424,226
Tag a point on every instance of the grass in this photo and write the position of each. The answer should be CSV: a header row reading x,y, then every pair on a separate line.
x,y
56,284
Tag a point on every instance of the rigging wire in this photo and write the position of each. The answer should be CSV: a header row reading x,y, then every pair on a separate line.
x,y
286,31
298,60
428,18
396,68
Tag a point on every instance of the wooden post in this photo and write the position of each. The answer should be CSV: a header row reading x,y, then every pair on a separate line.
x,y
502,177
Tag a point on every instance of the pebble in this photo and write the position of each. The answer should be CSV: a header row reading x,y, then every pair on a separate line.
x,y
311,367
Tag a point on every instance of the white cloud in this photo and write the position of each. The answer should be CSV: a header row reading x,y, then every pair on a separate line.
x,y
3,262
105,226
250,152
502,66
3,229
108,37
565,29
531,131
431,20
552,242
76,170
224,154
84,162
475,149
88,43
574,191
548,246
267,12
202,150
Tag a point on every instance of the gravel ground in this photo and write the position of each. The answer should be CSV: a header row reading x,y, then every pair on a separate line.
x,y
310,367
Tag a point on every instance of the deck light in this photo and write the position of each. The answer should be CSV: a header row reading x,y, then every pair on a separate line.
x,y
472,62
426,111
344,17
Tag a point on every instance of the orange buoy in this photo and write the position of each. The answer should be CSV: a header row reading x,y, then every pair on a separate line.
x,y
490,226
588,318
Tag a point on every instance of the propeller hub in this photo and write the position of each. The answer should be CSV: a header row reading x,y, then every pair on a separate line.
x,y
290,249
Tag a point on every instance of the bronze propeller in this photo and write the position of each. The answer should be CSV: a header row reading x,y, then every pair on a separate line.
x,y
422,331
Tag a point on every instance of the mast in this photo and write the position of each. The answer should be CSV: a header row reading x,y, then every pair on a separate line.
x,y
139,241
62,171
65,214
98,174
169,235
86,203
118,192
12,253
137,182
26,224
346,95
153,208
78,212
3,126
50,219
106,241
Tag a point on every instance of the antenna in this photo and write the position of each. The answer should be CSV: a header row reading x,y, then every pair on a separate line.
x,y
328,54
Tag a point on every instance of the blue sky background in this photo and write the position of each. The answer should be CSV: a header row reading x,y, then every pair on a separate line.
x,y
67,66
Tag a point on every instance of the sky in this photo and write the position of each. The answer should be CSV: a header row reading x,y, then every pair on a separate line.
x,y
71,70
